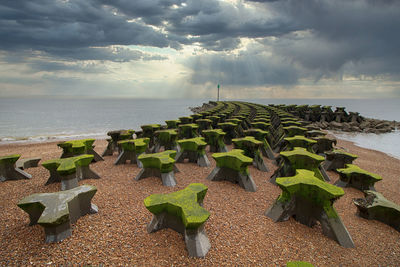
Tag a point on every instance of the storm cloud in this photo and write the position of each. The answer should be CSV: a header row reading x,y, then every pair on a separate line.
x,y
248,43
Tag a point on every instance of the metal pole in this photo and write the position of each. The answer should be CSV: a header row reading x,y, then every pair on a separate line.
x,y
218,93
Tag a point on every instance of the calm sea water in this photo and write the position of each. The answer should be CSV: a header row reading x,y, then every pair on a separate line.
x,y
49,118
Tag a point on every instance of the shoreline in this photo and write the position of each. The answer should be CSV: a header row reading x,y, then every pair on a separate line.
x,y
239,232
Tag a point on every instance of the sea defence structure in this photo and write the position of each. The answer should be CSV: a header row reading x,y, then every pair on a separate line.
x,y
241,138
183,212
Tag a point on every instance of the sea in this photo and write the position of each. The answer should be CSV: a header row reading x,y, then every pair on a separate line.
x,y
41,119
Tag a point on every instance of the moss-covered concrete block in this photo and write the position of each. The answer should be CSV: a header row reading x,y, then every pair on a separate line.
x,y
289,123
167,139
300,141
79,147
187,131
160,165
294,130
196,117
149,132
314,133
356,177
193,149
186,120
324,144
215,139
131,149
261,135
231,130
233,166
300,158
261,125
308,199
69,171
164,161
376,207
182,211
55,212
251,148
8,170
215,120
266,120
172,124
204,124
337,159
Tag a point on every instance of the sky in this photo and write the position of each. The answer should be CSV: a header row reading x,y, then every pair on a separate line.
x,y
184,48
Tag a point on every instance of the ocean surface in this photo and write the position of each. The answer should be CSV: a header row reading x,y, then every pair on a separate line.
x,y
33,119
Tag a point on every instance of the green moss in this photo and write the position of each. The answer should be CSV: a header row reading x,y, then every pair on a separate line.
x,y
306,185
260,135
138,145
188,130
206,121
227,125
261,125
172,124
196,117
126,134
193,144
294,130
236,121
315,106
10,159
150,126
300,158
166,136
257,133
67,166
240,117
352,170
213,118
342,152
164,161
299,264
234,159
288,123
249,145
183,204
262,119
214,137
186,120
77,147
127,145
300,141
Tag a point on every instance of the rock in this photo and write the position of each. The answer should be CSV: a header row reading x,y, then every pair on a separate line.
x,y
383,130
364,125
346,127
324,124
336,125
354,129
368,130
382,125
352,124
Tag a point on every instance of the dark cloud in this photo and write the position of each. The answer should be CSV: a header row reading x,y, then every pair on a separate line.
x,y
50,25
305,38
340,33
